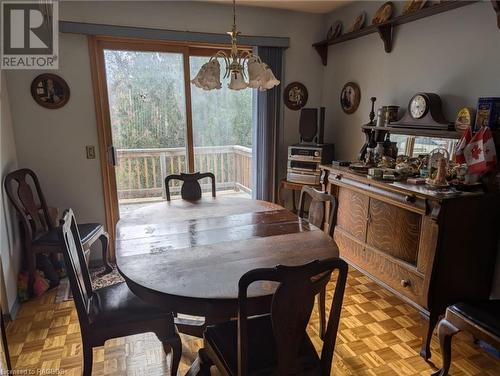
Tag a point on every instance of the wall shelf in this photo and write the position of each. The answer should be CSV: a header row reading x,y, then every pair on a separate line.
x,y
386,29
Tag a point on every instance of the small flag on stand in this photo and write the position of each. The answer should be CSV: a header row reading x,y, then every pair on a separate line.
x,y
477,151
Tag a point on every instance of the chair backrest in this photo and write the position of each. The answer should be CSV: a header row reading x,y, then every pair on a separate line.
x,y
291,309
78,273
191,189
30,205
317,208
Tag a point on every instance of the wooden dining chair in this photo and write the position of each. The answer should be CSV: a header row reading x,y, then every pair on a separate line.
x,y
277,343
322,207
40,233
112,311
191,189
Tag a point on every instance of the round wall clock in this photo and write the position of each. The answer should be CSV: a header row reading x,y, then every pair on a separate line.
x,y
350,97
50,91
295,96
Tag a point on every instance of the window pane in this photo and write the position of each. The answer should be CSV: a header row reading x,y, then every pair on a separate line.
x,y
148,121
401,141
222,132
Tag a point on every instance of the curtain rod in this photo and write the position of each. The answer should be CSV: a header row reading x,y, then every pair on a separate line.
x,y
171,35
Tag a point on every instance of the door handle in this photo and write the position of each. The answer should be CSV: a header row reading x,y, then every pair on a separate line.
x,y
112,156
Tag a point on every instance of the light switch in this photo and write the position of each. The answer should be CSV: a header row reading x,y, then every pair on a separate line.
x,y
90,151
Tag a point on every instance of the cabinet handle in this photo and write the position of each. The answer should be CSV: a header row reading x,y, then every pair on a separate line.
x,y
410,198
405,283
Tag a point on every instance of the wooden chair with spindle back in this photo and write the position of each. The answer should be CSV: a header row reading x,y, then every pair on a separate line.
x,y
191,189
112,311
40,234
320,203
277,343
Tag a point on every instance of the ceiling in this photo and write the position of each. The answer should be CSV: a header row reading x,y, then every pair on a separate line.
x,y
311,6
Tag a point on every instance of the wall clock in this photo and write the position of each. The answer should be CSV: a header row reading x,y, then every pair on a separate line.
x,y
50,91
424,111
295,96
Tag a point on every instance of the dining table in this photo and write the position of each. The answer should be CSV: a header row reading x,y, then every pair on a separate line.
x,y
188,256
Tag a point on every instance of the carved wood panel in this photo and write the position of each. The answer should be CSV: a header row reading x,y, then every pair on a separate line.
x,y
392,274
394,230
352,212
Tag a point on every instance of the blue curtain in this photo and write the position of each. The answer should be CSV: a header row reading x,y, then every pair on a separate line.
x,y
267,124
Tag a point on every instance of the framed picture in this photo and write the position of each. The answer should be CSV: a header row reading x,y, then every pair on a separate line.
x,y
50,91
295,96
350,97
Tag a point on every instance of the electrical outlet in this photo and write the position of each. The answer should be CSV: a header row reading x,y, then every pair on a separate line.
x,y
90,151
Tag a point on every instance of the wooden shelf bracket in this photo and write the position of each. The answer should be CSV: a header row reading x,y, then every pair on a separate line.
x,y
496,7
386,32
322,50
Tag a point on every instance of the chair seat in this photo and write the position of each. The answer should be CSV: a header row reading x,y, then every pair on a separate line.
x,y
53,237
485,314
221,339
117,304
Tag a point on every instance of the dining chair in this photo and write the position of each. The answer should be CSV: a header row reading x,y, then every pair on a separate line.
x,y
40,233
480,318
277,343
112,311
320,203
191,189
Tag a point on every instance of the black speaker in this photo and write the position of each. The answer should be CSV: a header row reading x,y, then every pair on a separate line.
x,y
308,125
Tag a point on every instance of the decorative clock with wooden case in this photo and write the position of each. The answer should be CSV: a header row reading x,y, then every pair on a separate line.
x,y
424,111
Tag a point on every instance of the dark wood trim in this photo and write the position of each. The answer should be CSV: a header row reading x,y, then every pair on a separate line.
x,y
189,111
422,132
496,8
386,29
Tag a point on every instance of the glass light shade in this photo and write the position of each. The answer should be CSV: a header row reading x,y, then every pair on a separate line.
x,y
208,78
269,81
256,72
237,81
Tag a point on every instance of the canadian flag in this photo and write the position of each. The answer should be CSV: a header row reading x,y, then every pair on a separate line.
x,y
479,153
460,148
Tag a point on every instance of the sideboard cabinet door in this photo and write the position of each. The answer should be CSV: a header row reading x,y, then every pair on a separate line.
x,y
352,212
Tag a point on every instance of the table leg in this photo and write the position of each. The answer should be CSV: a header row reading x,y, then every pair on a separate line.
x,y
293,201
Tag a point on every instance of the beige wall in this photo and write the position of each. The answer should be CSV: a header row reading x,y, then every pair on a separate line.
x,y
52,142
10,249
455,54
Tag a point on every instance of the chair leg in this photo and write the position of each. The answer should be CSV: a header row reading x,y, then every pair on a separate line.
x,y
322,312
425,351
175,345
104,238
87,359
446,331
31,258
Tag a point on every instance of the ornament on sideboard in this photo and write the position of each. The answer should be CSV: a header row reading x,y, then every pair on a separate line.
x,y
372,112
295,96
384,13
465,119
358,23
350,97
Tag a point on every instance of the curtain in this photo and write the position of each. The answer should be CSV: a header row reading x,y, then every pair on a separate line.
x,y
267,123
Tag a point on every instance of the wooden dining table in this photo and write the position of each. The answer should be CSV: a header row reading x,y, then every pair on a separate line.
x,y
188,257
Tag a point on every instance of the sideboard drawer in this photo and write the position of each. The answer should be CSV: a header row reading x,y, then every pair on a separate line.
x,y
407,282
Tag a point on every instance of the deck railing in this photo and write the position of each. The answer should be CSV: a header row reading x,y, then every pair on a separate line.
x,y
141,172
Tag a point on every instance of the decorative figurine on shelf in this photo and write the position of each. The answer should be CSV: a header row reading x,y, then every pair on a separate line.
x,y
372,112
437,167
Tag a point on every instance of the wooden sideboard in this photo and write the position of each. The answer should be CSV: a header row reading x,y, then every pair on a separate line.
x,y
430,249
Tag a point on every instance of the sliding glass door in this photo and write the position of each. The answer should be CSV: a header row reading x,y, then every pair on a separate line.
x,y
159,124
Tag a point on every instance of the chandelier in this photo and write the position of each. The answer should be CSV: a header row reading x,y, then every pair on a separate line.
x,y
259,74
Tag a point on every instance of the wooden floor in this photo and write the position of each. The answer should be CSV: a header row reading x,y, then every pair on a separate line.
x,y
378,335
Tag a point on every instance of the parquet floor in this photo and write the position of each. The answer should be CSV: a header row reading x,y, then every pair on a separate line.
x,y
378,335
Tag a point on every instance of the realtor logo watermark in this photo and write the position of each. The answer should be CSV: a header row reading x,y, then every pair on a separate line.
x,y
29,35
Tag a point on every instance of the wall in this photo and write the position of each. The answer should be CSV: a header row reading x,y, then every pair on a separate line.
x,y
455,54
10,249
52,142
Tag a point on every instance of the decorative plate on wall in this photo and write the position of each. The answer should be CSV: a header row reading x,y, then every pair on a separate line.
x,y
295,96
350,97
384,13
50,91
335,30
358,23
